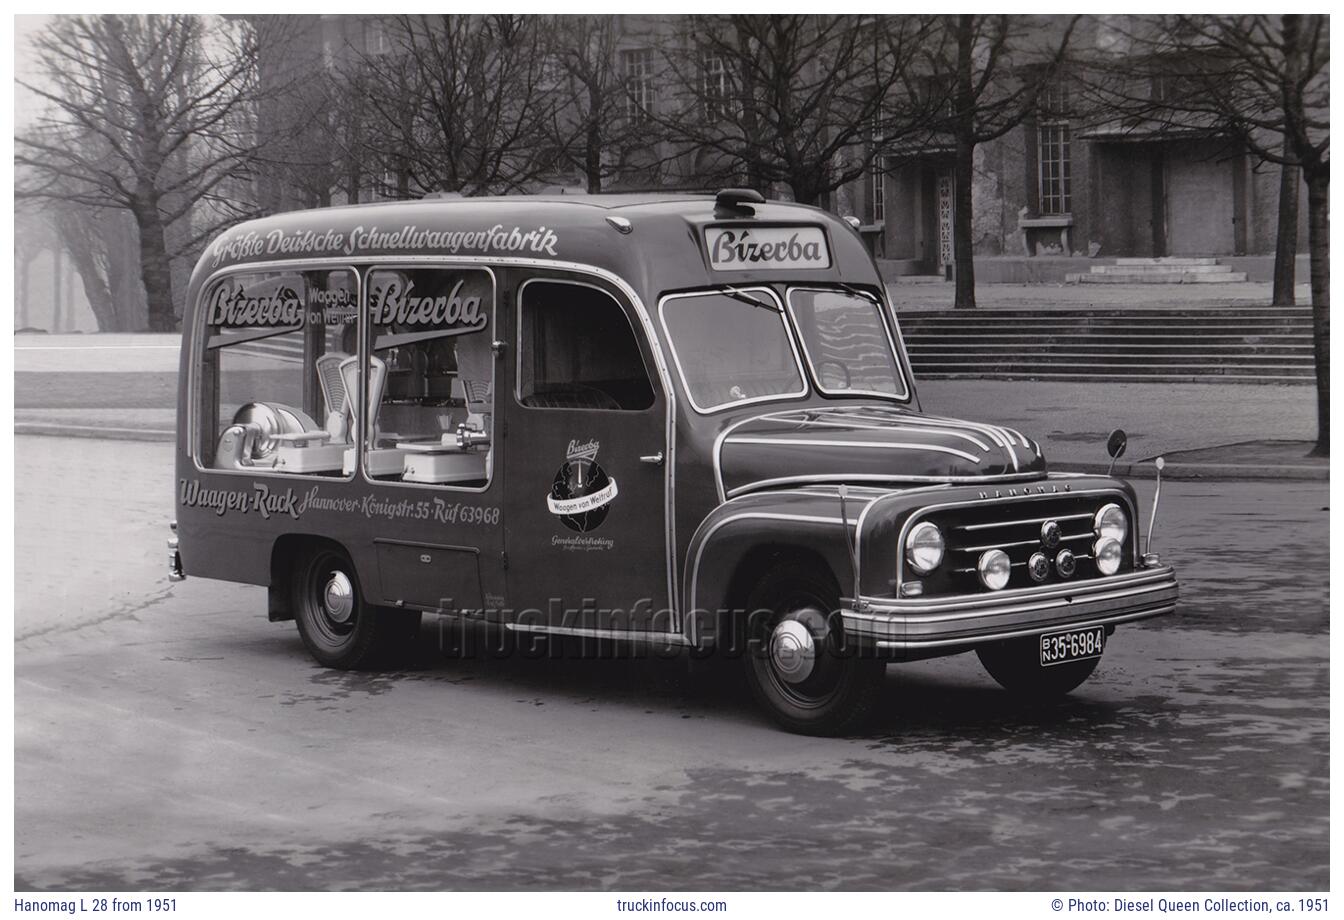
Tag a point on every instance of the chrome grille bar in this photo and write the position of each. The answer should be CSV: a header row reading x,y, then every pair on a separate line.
x,y
1087,515
1036,542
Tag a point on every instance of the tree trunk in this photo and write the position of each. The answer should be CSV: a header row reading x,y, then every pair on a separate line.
x,y
21,266
592,155
805,191
57,299
1318,223
1285,247
123,271
962,258
97,290
963,169
155,268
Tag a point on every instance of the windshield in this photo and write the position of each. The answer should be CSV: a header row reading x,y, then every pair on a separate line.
x,y
846,342
731,347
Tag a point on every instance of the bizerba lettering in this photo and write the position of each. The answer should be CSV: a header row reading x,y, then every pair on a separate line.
x,y
233,307
394,303
767,247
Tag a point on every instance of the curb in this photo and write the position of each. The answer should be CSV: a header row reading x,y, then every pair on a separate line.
x,y
94,431
1144,469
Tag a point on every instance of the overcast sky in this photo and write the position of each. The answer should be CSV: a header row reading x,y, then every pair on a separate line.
x,y
25,27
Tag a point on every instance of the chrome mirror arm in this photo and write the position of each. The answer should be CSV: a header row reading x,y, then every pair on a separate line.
x,y
1160,463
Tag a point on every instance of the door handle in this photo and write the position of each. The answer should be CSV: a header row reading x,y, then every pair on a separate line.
x,y
655,459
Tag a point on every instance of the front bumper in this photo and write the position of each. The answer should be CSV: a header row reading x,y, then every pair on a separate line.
x,y
945,625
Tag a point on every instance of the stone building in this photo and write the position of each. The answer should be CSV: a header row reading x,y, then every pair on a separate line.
x,y
1085,184
1053,189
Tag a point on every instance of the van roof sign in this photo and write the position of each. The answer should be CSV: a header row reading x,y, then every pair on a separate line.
x,y
752,248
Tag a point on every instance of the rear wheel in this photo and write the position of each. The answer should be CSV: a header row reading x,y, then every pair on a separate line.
x,y
796,663
1016,665
338,628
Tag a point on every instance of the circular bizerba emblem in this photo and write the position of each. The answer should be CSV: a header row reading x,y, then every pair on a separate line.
x,y
581,494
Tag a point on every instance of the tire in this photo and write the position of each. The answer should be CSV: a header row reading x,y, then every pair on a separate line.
x,y
837,692
1016,665
339,629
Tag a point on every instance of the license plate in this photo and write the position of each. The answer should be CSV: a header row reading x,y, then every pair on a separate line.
x,y
1074,645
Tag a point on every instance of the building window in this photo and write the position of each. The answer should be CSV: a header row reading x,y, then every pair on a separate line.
x,y
637,69
553,73
1053,151
375,38
714,85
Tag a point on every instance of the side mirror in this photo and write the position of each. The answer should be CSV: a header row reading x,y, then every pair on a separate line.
x,y
1115,446
1116,443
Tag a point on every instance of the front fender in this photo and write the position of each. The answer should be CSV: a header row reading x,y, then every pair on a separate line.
x,y
746,530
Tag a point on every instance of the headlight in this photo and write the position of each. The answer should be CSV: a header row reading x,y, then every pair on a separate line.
x,y
1106,552
994,569
924,547
1110,524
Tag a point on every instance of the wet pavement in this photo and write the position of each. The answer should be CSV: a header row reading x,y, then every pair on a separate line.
x,y
170,738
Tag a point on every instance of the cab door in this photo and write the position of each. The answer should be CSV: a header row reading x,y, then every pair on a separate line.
x,y
586,526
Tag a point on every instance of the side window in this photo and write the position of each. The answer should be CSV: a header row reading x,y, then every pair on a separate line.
x,y
264,396
577,350
431,376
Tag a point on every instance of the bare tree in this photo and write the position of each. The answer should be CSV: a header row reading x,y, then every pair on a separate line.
x,y
1285,237
455,104
100,242
1264,81
1269,83
589,127
989,73
795,100
143,115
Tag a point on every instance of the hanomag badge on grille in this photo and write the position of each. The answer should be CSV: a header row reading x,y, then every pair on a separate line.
x,y
1074,645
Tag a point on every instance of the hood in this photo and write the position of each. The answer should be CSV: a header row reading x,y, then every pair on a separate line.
x,y
867,444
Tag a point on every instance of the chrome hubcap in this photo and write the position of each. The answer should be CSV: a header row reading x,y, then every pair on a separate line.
x,y
793,651
338,598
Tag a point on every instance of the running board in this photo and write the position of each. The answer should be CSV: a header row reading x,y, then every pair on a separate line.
x,y
632,635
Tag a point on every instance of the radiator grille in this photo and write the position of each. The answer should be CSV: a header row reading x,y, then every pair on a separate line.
x,y
1016,528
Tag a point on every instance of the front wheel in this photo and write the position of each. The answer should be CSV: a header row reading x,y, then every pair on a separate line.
x,y
1016,665
796,663
338,628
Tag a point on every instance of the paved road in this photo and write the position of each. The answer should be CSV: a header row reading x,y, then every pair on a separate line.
x,y
172,738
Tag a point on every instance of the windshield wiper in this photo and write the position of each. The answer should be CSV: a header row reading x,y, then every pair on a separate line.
x,y
747,298
859,292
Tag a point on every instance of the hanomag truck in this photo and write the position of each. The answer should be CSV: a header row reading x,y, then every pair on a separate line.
x,y
670,421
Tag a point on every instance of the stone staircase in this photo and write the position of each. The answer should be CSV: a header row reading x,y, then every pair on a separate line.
x,y
1166,270
1213,345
